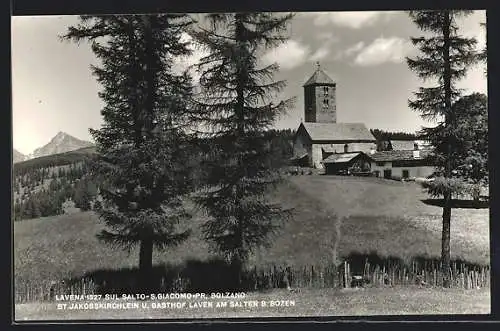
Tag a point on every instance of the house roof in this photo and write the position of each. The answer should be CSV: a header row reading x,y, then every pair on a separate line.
x,y
319,78
387,156
402,145
341,157
338,131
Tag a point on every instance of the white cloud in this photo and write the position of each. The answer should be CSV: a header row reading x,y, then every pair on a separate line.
x,y
353,20
189,62
383,50
327,37
470,26
288,55
354,48
320,54
294,53
349,51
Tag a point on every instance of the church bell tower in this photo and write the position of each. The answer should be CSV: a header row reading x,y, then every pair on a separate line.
x,y
319,98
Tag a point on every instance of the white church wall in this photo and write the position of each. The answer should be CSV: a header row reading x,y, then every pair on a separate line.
x,y
301,145
317,156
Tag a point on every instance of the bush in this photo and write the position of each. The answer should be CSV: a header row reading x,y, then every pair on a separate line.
x,y
440,185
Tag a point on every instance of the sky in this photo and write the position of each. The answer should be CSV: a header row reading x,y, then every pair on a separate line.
x,y
364,52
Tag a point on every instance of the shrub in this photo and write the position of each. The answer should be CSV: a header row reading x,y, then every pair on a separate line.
x,y
440,185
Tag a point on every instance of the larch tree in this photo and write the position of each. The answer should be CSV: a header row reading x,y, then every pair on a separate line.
x,y
237,107
445,58
142,144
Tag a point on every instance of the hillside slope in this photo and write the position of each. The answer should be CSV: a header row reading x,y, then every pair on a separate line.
x,y
352,214
17,156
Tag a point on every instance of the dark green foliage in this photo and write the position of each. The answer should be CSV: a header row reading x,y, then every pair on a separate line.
x,y
472,134
445,59
440,186
85,192
142,145
97,205
236,106
469,138
32,179
388,135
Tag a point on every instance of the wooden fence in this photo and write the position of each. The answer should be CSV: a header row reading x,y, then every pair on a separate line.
x,y
371,276
311,276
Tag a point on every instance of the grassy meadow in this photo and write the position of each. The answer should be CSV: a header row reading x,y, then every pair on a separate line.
x,y
349,214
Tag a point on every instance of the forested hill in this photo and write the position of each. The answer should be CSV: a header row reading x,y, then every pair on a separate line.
x,y
57,184
388,135
44,185
384,137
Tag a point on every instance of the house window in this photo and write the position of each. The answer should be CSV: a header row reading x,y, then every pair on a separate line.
x,y
346,148
406,174
387,173
380,164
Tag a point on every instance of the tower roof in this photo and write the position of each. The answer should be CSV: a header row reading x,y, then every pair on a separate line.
x,y
319,78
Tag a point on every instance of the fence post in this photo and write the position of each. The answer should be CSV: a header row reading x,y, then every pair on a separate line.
x,y
345,274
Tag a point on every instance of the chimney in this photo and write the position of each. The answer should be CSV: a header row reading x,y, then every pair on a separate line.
x,y
416,152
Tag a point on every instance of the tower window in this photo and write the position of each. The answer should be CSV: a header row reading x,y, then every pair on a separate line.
x,y
325,103
325,90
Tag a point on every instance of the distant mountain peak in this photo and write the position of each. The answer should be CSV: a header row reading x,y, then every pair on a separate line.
x,y
17,156
62,142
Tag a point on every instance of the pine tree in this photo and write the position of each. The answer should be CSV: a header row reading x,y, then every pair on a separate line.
x,y
446,57
236,106
141,144
472,135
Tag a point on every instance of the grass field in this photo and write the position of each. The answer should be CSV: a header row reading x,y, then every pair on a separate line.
x,y
352,214
307,303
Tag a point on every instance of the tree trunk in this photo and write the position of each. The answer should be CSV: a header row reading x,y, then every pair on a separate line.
x,y
449,121
445,241
145,265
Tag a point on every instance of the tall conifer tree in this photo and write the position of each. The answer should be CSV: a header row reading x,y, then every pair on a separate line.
x,y
445,57
237,110
141,144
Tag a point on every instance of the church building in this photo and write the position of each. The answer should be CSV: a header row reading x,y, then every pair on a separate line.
x,y
319,135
